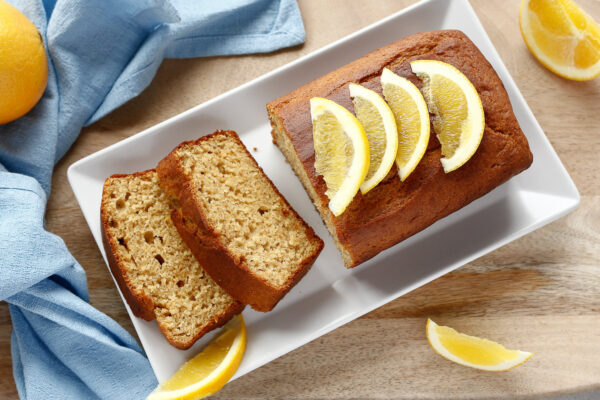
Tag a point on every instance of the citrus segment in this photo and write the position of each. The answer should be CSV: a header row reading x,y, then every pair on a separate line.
x,y
210,369
380,127
459,119
412,120
472,351
23,64
562,37
341,151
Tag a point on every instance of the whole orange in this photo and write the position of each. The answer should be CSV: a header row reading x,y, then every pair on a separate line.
x,y
23,64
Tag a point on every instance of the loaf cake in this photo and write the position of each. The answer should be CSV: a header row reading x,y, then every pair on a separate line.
x,y
157,273
395,210
235,221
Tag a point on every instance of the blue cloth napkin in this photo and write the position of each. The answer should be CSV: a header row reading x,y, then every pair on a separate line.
x,y
101,54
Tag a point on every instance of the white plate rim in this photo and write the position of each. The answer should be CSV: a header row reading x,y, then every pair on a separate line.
x,y
573,194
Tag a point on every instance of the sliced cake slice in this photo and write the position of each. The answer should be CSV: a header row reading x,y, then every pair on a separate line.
x,y
235,221
157,273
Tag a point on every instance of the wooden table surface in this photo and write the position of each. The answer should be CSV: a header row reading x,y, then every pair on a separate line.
x,y
540,293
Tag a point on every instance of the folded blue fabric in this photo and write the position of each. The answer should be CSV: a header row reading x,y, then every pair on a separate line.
x,y
101,54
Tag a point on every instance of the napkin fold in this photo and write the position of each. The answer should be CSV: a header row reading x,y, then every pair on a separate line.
x,y
101,54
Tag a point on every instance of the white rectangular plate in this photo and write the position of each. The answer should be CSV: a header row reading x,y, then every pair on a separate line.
x,y
330,295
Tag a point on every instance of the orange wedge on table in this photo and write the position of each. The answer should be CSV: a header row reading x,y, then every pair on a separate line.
x,y
472,351
562,37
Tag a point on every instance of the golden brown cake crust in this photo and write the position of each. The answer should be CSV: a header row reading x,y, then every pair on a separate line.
x,y
207,245
141,304
395,210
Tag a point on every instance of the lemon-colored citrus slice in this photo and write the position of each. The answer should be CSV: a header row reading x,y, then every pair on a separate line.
x,y
562,37
412,120
23,64
459,120
472,351
209,370
380,126
341,151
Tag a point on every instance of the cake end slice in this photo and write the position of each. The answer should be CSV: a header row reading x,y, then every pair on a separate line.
x,y
157,274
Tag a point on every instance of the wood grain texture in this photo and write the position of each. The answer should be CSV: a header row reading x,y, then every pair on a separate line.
x,y
540,293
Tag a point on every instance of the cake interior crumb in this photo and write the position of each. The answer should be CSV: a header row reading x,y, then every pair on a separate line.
x,y
156,260
257,226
